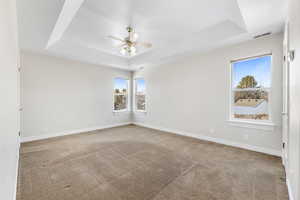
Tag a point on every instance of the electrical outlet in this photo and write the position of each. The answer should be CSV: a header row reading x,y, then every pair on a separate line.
x,y
212,130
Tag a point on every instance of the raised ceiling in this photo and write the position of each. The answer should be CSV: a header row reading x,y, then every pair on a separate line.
x,y
78,29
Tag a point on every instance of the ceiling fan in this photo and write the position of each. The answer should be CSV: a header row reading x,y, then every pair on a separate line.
x,y
129,44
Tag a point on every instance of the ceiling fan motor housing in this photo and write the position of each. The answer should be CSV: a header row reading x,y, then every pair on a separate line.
x,y
129,29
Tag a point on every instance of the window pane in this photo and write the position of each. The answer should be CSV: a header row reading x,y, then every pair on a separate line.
x,y
120,102
249,104
140,96
140,102
251,86
120,94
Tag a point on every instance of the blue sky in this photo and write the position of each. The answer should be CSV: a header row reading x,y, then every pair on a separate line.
x,y
141,86
260,68
120,83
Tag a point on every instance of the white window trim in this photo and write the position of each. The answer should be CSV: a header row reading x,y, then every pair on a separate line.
x,y
134,96
266,125
128,95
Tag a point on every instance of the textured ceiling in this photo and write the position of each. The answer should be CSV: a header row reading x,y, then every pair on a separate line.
x,y
78,29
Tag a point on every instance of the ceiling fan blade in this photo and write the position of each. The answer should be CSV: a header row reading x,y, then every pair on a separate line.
x,y
144,44
121,45
115,38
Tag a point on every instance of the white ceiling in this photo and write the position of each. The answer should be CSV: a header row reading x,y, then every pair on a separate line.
x,y
78,29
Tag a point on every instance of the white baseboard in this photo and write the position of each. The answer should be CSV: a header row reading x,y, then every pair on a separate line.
x,y
71,132
291,197
216,140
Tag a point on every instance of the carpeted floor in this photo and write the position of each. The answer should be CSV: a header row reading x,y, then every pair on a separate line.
x,y
135,163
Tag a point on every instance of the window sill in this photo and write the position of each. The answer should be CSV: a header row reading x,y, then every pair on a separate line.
x,y
120,111
265,126
140,111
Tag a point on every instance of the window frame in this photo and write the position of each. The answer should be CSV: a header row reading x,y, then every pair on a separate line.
x,y
250,123
127,96
134,97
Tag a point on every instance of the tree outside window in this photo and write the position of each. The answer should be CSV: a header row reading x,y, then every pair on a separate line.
x,y
120,94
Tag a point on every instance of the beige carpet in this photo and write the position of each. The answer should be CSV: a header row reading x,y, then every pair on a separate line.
x,y
135,163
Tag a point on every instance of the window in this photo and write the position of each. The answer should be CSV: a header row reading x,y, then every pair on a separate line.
x,y
250,89
140,95
120,94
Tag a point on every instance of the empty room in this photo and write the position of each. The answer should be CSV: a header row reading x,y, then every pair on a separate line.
x,y
149,100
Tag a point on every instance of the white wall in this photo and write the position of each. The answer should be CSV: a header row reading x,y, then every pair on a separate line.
x,y
61,96
293,171
9,114
191,95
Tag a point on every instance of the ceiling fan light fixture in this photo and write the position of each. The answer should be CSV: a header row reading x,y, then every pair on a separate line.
x,y
128,51
132,50
123,51
129,43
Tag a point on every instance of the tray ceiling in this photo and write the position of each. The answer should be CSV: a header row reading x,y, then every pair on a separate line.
x,y
78,29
